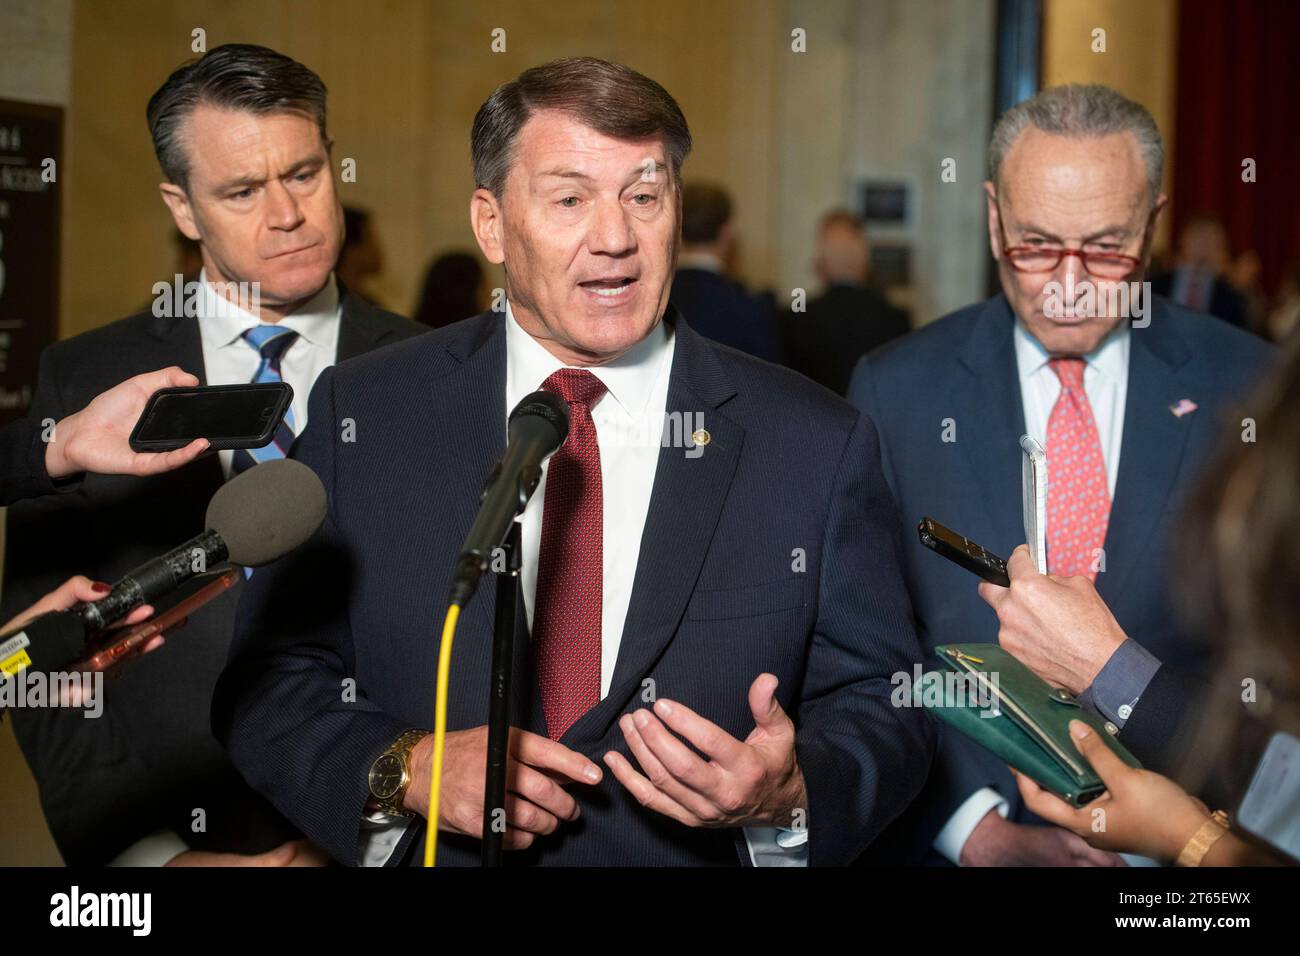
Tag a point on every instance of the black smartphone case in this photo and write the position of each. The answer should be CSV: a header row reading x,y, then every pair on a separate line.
x,y
284,395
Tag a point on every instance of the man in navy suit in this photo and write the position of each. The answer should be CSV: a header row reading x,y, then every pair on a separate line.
x,y
1126,401
717,620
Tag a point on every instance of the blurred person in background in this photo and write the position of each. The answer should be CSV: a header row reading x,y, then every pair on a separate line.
x,y
715,304
849,318
362,257
1245,277
1198,281
455,287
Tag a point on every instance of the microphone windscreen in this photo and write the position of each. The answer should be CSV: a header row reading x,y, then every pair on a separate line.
x,y
548,407
267,511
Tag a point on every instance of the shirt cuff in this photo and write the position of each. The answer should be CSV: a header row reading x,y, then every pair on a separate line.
x,y
952,838
157,849
777,846
1119,685
380,833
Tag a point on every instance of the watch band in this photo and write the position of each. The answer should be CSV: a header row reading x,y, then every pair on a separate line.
x,y
1204,838
401,749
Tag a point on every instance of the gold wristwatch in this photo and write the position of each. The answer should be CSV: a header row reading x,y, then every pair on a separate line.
x,y
390,774
1204,838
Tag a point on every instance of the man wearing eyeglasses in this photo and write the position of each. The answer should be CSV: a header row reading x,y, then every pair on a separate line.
x,y
1125,392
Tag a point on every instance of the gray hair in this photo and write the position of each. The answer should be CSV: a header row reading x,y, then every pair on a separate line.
x,y
1081,110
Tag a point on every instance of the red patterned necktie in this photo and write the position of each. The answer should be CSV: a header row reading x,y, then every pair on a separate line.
x,y
1078,497
570,562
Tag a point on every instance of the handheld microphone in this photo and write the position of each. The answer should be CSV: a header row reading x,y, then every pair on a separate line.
x,y
537,427
253,519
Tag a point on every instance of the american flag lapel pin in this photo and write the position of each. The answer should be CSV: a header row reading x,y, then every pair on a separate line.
x,y
1185,406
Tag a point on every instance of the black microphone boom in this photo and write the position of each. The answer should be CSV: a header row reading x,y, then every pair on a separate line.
x,y
538,426
253,519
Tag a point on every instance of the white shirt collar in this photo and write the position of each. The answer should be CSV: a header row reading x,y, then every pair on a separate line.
x,y
701,260
1109,359
223,321
630,378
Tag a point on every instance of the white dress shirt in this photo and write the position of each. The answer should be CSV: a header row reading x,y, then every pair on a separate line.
x,y
629,421
1105,381
228,359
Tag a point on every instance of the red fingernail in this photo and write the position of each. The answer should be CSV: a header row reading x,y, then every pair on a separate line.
x,y
99,587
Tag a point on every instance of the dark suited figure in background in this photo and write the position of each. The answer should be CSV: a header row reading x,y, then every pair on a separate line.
x,y
240,135
455,288
362,257
717,305
751,580
849,318
1199,281
1126,410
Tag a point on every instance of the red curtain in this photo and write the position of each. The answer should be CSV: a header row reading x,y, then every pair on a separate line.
x,y
1238,97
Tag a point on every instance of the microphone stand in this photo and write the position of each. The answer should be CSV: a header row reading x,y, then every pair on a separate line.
x,y
503,656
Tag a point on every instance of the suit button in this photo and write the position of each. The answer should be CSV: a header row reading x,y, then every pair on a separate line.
x,y
1112,729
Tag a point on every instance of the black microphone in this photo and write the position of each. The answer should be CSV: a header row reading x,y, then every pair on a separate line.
x,y
538,426
253,519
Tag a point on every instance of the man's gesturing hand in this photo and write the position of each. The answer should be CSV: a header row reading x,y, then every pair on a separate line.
x,y
95,439
536,770
755,782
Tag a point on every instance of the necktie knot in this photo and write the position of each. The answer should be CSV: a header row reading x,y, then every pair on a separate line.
x,y
271,341
1069,371
575,386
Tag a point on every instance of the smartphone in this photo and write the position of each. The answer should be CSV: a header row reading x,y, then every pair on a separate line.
x,y
120,644
963,551
228,416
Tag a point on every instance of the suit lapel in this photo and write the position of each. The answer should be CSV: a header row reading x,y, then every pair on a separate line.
x,y
359,332
471,401
1152,448
685,505
990,418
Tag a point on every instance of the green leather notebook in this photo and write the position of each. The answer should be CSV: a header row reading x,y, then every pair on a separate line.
x,y
1002,705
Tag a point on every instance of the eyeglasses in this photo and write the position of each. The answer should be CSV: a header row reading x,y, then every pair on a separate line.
x,y
1042,259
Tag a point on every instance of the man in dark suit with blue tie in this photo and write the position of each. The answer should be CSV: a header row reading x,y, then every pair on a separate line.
x,y
1125,393
709,566
241,138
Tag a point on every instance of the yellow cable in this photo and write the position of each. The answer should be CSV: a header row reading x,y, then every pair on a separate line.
x,y
439,732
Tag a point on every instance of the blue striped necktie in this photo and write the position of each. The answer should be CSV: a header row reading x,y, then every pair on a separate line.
x,y
271,342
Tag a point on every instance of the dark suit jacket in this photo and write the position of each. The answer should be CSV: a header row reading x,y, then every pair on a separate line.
x,y
150,760
963,367
1225,302
722,309
839,327
773,550
22,462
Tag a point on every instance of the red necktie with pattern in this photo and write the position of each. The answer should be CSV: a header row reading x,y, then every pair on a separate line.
x,y
1078,496
570,562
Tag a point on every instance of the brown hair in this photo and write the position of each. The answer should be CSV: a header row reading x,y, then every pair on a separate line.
x,y
1239,577
608,97
706,208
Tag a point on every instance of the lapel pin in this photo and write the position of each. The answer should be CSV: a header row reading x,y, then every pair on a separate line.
x,y
701,436
1185,406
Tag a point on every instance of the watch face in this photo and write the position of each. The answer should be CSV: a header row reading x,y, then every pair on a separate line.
x,y
386,776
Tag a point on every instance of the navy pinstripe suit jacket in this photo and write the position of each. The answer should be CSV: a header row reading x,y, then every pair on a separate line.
x,y
775,549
